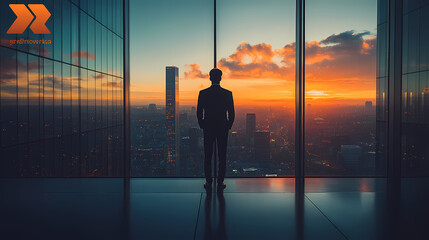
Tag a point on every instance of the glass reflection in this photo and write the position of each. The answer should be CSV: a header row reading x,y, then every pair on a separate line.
x,y
91,43
75,99
58,99
34,95
22,77
48,98
84,113
66,31
415,90
57,32
53,108
9,93
67,99
91,100
83,49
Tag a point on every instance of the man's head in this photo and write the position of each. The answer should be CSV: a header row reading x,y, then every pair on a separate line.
x,y
215,75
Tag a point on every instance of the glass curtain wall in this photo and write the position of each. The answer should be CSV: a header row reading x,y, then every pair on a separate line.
x,y
415,89
62,103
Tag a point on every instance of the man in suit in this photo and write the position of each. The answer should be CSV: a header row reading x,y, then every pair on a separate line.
x,y
215,113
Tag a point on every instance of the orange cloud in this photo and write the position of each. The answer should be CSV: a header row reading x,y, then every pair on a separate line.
x,y
194,72
83,54
254,62
98,76
340,67
112,84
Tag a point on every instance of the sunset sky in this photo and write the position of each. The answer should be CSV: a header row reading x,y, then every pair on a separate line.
x,y
256,49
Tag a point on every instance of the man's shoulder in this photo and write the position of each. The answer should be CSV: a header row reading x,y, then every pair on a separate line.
x,y
207,89
226,90
204,90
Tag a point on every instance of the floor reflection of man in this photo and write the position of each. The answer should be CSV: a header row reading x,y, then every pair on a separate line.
x,y
214,232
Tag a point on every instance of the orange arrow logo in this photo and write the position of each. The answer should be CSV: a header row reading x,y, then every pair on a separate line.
x,y
24,18
42,16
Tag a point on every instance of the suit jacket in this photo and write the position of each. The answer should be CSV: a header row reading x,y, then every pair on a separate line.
x,y
215,109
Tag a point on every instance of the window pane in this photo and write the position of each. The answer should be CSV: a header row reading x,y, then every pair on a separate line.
x,y
104,100
98,100
75,91
168,33
22,97
257,56
58,99
84,54
340,82
34,96
57,32
84,100
67,100
91,43
98,46
415,89
48,98
66,31
9,93
91,100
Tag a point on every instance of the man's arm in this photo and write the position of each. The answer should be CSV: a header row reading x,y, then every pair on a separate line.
x,y
200,112
231,112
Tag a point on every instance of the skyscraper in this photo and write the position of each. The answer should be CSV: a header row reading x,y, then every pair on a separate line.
x,y
152,107
250,127
172,117
194,139
368,108
262,146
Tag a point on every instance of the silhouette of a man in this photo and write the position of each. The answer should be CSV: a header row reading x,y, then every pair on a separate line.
x,y
215,113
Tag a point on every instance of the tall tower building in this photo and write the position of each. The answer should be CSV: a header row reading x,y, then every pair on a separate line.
x,y
172,117
250,127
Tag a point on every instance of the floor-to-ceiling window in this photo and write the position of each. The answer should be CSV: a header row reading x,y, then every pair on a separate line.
x,y
171,55
173,48
256,52
255,41
340,88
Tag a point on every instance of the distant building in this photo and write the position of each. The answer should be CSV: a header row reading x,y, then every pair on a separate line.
x,y
183,117
368,104
250,127
172,117
351,155
262,146
368,108
233,139
152,107
194,139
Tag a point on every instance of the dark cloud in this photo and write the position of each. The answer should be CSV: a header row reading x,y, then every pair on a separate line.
x,y
112,84
347,55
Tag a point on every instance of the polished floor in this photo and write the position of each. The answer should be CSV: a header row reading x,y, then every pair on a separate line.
x,y
112,208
